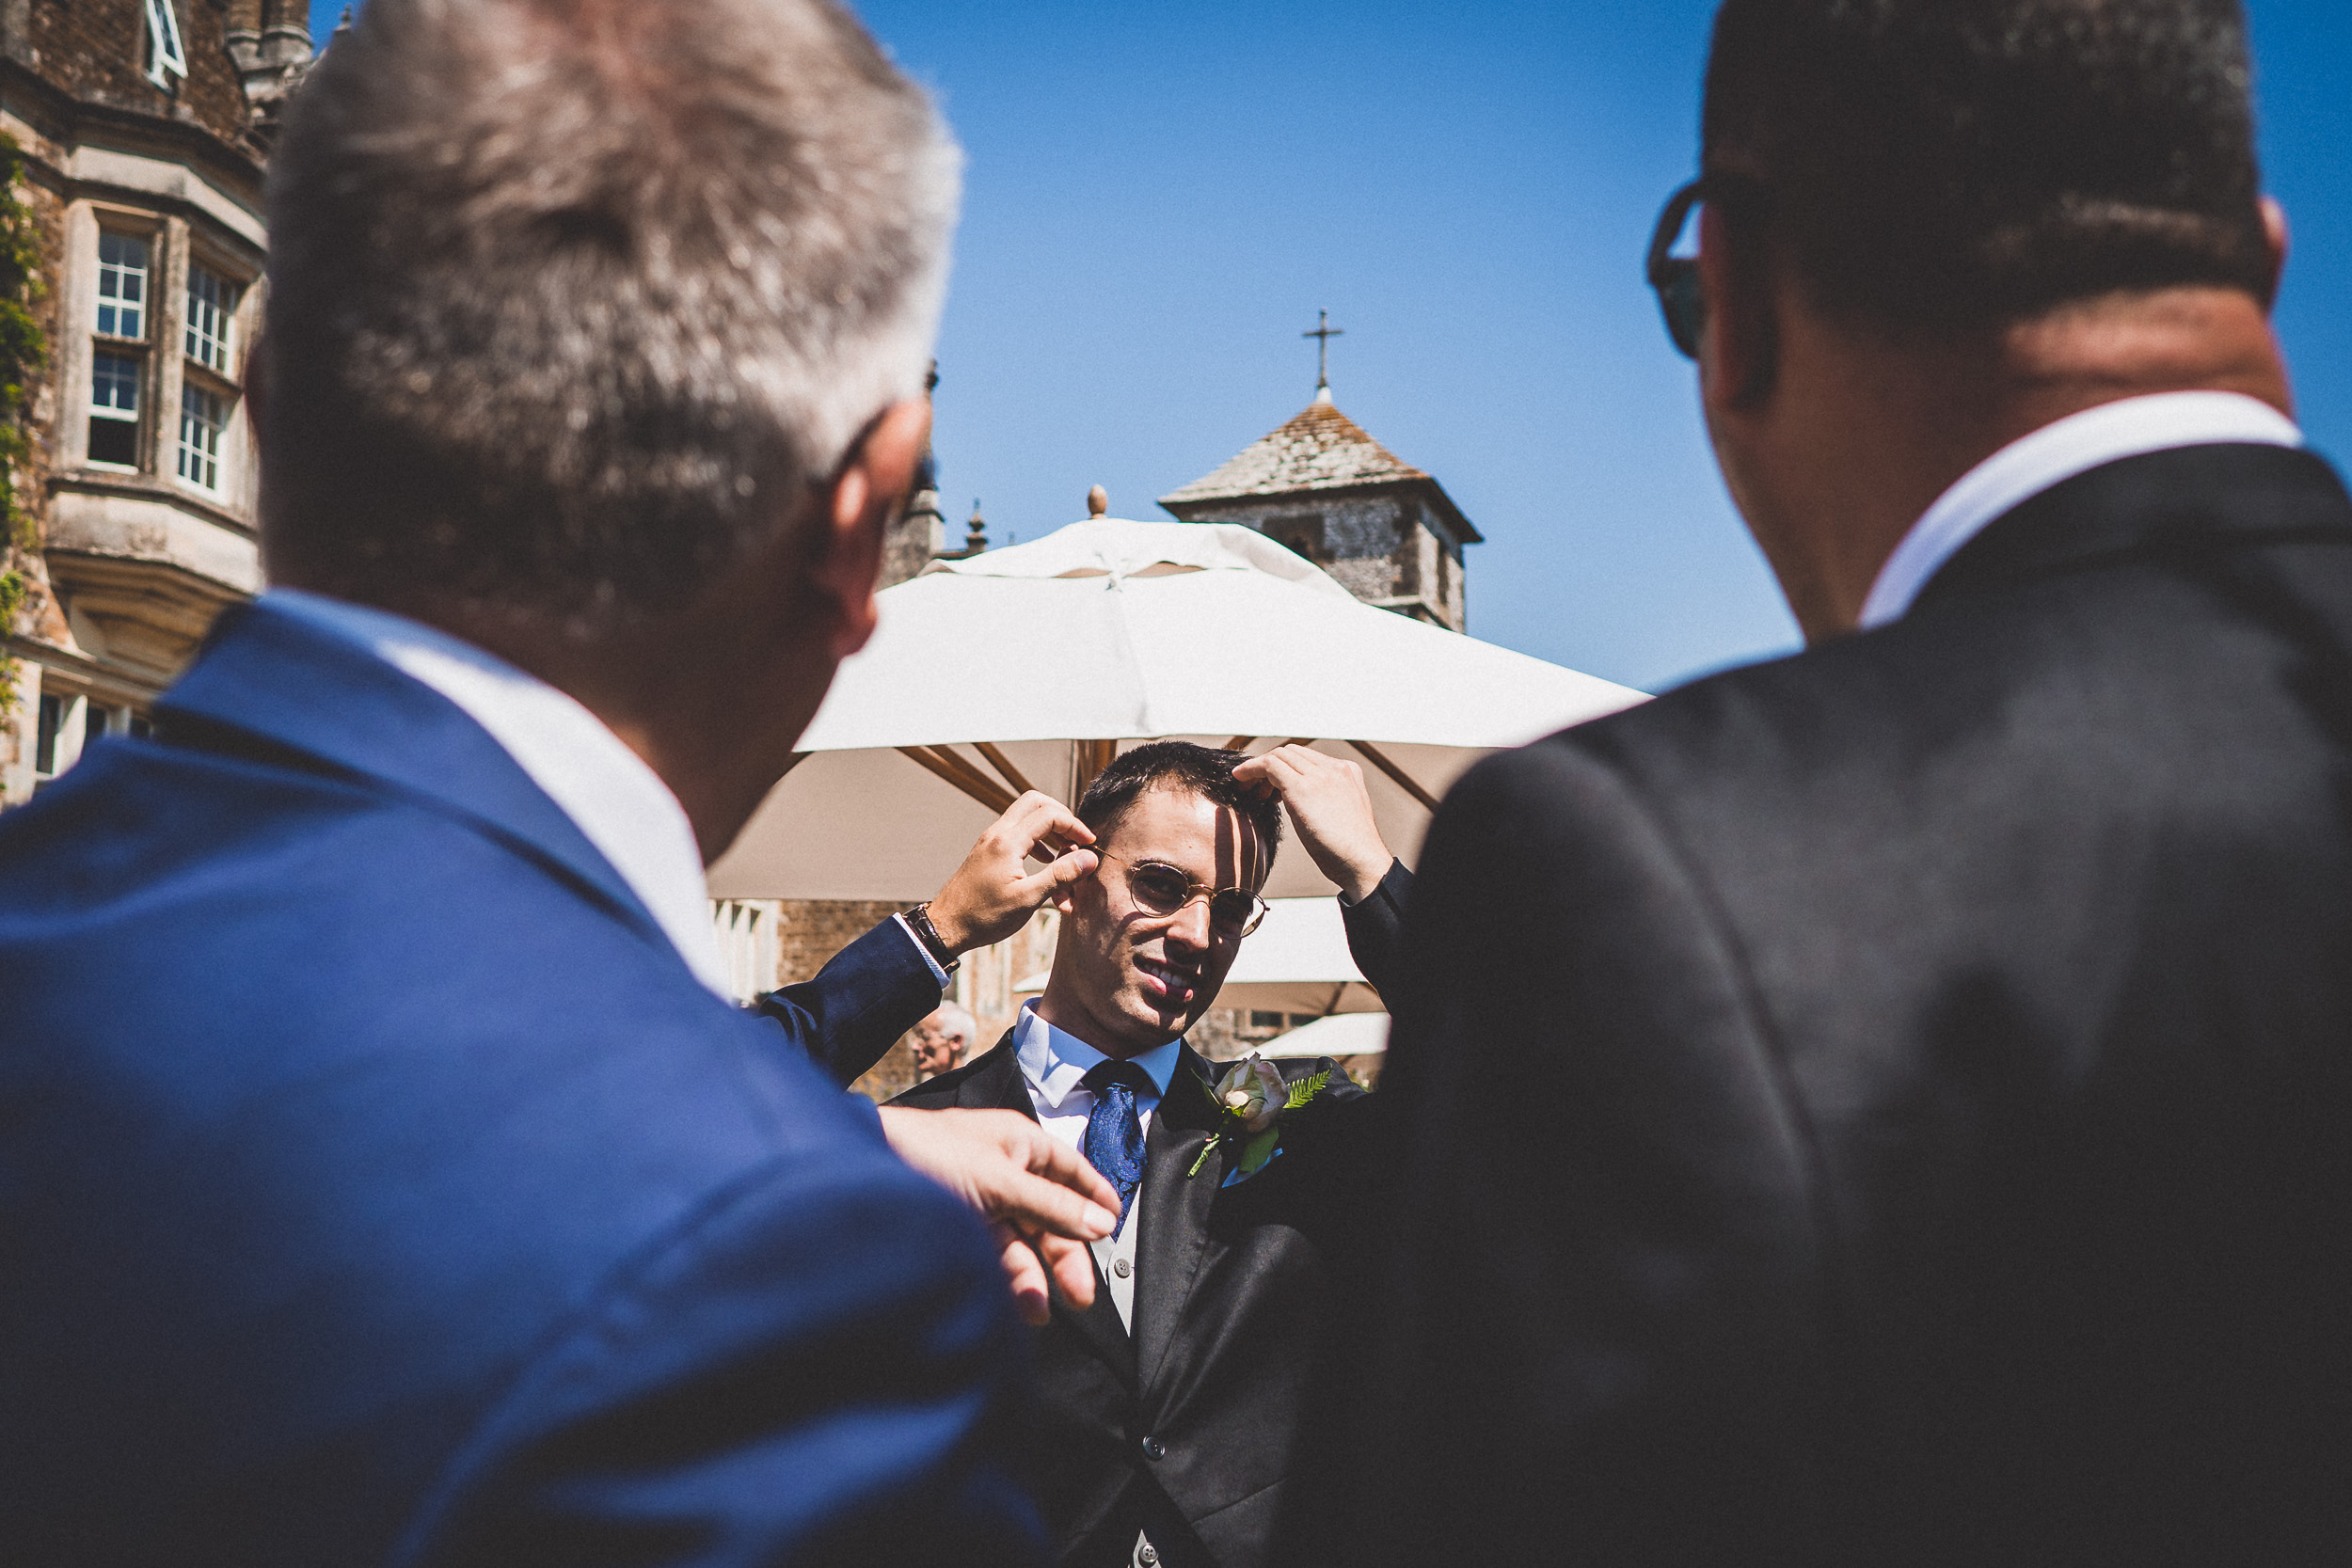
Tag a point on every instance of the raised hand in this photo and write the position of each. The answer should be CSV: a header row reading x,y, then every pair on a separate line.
x,y
1042,1201
1330,807
994,893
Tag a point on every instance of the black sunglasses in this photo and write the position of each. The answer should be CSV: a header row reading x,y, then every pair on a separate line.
x,y
1676,277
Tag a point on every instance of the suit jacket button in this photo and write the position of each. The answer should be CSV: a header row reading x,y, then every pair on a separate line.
x,y
1123,1268
1153,1449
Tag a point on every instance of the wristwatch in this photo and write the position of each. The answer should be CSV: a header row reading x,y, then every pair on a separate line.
x,y
919,922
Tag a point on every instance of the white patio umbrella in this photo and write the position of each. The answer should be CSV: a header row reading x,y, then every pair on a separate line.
x,y
1042,658
1351,1035
1297,962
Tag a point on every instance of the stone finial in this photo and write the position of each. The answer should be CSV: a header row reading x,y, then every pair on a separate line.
x,y
1098,502
976,530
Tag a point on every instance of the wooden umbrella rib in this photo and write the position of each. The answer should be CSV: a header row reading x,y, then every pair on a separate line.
x,y
1003,763
1397,776
960,776
995,793
1240,742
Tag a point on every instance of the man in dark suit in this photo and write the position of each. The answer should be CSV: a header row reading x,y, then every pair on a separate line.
x,y
387,1177
1167,1407
1945,1035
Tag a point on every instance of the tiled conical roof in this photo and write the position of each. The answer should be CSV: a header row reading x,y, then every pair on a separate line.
x,y
1320,449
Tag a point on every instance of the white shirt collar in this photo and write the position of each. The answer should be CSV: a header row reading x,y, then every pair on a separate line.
x,y
619,803
2131,427
1053,1060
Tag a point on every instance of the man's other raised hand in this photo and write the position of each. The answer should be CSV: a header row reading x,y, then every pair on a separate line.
x,y
1328,805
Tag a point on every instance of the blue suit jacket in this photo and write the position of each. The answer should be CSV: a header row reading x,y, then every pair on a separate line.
x,y
379,1186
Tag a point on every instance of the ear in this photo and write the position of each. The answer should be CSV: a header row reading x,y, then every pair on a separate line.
x,y
1738,352
845,555
2275,231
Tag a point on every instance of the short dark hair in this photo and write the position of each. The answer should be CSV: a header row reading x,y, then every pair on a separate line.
x,y
1954,164
1178,764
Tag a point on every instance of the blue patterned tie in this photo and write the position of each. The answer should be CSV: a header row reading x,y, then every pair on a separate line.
x,y
1114,1141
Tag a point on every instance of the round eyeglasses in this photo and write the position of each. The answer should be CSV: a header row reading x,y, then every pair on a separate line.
x,y
1162,892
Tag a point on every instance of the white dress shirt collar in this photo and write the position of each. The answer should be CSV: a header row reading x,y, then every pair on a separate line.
x,y
619,803
1054,1061
2048,457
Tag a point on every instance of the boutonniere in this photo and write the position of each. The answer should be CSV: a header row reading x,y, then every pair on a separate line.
x,y
1252,1104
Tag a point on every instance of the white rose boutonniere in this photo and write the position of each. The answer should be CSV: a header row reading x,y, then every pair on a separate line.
x,y
1252,1102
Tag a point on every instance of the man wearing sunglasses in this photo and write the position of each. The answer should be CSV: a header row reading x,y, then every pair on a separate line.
x,y
1167,1407
1942,1033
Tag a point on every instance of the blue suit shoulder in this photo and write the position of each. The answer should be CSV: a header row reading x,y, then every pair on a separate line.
x,y
379,1174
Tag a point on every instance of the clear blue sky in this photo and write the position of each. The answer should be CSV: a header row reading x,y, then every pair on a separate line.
x,y
1159,197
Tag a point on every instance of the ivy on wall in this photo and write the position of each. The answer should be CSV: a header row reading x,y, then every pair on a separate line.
x,y
24,350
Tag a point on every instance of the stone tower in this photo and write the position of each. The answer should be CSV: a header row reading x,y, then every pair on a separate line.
x,y
1321,486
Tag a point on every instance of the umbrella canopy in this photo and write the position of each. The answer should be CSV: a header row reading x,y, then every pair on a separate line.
x,y
1354,1035
1044,657
1297,961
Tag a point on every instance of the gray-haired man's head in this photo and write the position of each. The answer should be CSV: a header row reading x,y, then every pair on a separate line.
x,y
944,1040
574,303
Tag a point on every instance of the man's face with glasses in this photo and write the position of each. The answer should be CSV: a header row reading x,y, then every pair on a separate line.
x,y
1146,941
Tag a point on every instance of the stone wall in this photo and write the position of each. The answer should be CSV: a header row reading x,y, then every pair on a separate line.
x,y
1381,546
96,49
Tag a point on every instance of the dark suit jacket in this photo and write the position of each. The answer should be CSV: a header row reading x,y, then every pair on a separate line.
x,y
1186,1428
379,1186
851,1012
1944,1150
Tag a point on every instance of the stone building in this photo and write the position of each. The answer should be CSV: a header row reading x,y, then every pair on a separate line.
x,y
1325,488
143,128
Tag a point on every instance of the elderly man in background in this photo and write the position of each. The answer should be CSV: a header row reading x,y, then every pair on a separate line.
x,y
1888,1105
941,1040
386,1177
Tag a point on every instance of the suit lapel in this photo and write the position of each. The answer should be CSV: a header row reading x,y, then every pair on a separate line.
x,y
995,1084
1175,1210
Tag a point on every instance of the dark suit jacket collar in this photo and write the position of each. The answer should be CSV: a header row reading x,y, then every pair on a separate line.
x,y
1176,1207
990,1081
1175,1225
2182,499
994,1081
270,677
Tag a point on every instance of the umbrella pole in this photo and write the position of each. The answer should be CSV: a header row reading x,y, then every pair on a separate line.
x,y
1088,758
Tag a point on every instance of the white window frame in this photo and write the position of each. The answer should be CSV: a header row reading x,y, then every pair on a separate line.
x,y
200,461
210,338
107,412
162,33
146,273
